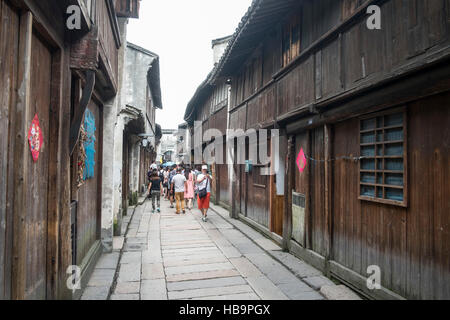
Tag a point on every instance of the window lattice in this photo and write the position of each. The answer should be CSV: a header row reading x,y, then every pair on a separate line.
x,y
383,163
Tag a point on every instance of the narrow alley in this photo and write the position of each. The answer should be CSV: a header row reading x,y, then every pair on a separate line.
x,y
317,133
168,256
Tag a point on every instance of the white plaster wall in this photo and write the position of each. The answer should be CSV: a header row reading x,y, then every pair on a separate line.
x,y
135,161
117,158
109,194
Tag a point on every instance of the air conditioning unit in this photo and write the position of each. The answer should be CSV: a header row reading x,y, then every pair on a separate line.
x,y
298,218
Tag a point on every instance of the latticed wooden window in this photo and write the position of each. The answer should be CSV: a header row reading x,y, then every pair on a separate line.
x,y
383,172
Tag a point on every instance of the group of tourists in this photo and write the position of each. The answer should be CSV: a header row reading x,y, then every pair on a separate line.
x,y
181,185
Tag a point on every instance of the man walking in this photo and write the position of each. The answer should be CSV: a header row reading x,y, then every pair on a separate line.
x,y
172,174
180,185
155,190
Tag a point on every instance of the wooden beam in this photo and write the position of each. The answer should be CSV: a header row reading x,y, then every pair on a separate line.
x,y
65,245
289,185
328,195
21,154
308,206
430,82
54,191
86,97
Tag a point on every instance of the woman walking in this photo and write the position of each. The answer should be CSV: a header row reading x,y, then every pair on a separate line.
x,y
189,192
204,192
166,183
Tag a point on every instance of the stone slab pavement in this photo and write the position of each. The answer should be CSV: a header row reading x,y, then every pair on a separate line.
x,y
102,278
166,256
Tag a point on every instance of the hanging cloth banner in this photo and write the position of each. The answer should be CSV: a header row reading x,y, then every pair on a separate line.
x,y
35,138
89,145
301,161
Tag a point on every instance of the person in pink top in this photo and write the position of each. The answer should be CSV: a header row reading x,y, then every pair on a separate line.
x,y
189,192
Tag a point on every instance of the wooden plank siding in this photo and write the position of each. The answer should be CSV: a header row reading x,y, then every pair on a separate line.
x,y
87,195
36,79
9,42
212,112
109,43
344,71
353,58
409,244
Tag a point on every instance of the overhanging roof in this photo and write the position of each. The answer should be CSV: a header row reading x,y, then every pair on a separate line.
x,y
154,81
200,95
259,19
153,74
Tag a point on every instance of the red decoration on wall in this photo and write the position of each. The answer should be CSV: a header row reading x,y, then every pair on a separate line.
x,y
301,161
35,138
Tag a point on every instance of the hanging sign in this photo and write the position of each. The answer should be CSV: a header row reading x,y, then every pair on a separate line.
x,y
89,144
301,161
35,138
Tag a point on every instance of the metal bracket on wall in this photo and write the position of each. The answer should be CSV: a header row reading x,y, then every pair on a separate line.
x,y
86,97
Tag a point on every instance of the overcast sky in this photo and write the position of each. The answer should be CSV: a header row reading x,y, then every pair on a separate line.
x,y
180,32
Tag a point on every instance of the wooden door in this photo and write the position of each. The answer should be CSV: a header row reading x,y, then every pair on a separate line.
x,y
317,209
88,221
258,206
277,208
37,189
242,190
224,194
9,24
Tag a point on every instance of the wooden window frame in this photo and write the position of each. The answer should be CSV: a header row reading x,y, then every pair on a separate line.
x,y
291,50
383,186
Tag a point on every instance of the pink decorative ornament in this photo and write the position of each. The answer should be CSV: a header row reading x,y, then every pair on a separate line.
x,y
35,138
301,161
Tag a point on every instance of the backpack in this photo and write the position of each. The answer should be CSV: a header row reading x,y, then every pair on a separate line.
x,y
149,176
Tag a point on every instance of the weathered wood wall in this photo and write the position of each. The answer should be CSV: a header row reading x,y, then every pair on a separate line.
x,y
37,188
87,195
34,208
106,22
340,58
411,245
9,42
336,60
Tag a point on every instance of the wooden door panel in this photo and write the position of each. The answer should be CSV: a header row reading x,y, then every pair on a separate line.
x,y
9,24
37,189
258,197
88,206
224,195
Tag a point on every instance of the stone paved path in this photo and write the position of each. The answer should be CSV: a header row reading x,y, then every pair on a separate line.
x,y
169,256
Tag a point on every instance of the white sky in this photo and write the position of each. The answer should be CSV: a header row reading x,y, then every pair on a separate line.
x,y
180,32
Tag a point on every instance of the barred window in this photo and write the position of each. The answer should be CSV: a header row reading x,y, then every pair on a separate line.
x,y
383,172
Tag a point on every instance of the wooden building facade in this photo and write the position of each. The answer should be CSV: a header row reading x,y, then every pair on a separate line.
x,y
209,106
49,217
365,120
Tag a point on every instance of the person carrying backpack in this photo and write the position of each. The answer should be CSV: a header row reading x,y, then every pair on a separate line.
x,y
155,188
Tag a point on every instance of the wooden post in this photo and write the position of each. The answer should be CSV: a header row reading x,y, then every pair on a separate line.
x,y
21,154
54,190
65,246
290,178
328,196
234,186
308,206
